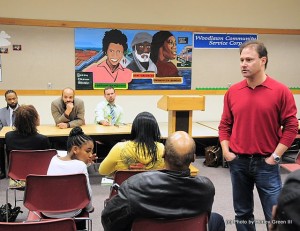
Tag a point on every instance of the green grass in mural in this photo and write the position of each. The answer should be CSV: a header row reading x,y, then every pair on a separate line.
x,y
114,85
295,88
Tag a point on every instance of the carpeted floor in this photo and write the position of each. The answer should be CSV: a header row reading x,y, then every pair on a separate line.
x,y
219,176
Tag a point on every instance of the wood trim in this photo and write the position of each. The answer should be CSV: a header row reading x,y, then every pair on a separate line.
x,y
127,92
119,92
78,24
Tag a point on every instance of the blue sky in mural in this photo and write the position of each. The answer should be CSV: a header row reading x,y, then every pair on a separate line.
x,y
92,38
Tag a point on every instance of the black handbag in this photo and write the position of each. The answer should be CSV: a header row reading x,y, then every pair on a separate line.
x,y
12,212
213,156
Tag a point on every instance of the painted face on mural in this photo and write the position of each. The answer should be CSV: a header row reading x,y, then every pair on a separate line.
x,y
169,49
115,53
142,51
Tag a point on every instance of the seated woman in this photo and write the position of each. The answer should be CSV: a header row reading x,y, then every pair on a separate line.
x,y
79,155
25,135
143,150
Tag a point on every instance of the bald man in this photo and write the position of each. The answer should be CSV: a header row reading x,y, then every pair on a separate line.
x,y
67,111
170,194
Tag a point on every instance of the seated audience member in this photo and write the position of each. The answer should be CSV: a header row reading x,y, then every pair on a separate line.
x,y
68,111
167,194
108,112
25,135
79,155
143,148
286,214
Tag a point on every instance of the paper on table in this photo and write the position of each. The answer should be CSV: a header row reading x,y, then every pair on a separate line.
x,y
106,181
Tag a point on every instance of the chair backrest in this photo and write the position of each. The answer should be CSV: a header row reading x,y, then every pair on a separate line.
x,y
64,224
121,176
25,162
197,223
56,194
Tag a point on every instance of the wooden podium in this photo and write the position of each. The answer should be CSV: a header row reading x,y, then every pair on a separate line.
x,y
180,108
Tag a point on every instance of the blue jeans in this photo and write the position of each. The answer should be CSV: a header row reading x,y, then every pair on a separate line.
x,y
245,173
216,222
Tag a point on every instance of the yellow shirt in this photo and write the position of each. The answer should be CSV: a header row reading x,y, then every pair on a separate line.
x,y
124,154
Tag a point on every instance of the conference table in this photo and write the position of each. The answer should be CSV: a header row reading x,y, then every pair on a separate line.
x,y
198,130
91,129
104,133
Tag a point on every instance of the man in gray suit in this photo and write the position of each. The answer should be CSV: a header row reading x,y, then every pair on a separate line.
x,y
7,119
7,113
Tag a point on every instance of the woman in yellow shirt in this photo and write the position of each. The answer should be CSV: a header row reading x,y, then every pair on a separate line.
x,y
144,148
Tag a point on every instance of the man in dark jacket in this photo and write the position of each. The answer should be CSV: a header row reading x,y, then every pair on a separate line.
x,y
285,215
170,194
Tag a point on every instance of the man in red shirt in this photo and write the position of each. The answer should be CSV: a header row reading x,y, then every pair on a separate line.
x,y
258,124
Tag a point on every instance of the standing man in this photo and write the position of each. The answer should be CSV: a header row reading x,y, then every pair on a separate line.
x,y
258,124
287,211
67,111
168,194
7,117
141,47
107,112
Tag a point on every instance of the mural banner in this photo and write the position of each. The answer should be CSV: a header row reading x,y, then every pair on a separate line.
x,y
133,59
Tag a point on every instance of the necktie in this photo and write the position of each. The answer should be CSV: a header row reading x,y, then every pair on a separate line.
x,y
13,116
112,114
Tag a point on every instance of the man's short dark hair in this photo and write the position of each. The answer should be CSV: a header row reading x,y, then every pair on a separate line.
x,y
259,47
108,87
10,91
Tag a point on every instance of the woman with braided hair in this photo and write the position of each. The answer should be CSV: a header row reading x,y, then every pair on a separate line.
x,y
79,155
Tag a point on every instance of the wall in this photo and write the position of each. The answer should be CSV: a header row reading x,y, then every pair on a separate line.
x,y
214,13
48,56
132,106
282,14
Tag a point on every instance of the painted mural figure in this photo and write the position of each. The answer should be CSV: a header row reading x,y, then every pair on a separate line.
x,y
163,50
141,47
114,45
